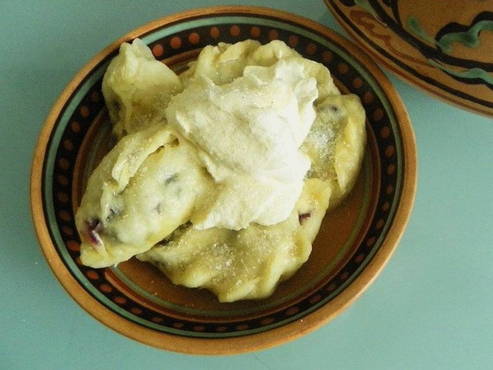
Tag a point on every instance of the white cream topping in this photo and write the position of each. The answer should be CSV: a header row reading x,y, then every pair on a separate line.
x,y
248,134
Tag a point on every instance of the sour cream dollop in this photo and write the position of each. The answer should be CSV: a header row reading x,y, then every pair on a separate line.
x,y
248,135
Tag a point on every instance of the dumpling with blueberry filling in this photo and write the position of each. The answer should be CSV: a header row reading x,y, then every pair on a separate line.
x,y
244,264
142,190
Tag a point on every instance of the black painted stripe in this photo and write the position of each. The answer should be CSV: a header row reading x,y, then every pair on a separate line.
x,y
426,50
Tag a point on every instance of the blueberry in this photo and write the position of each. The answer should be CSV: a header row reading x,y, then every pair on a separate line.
x,y
303,216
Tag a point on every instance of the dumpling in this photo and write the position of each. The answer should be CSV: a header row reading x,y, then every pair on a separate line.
x,y
336,143
137,88
225,62
248,264
244,264
143,189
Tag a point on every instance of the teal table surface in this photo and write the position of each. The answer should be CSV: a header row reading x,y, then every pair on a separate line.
x,y
431,308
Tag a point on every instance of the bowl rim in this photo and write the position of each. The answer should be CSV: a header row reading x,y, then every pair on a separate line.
x,y
252,342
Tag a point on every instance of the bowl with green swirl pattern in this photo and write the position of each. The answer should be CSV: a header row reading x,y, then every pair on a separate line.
x,y
444,47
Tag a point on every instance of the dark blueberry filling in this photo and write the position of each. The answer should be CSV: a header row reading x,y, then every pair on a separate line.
x,y
303,216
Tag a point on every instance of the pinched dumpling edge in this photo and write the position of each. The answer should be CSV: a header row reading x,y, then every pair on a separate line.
x,y
245,264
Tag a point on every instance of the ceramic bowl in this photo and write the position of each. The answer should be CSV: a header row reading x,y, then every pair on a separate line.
x,y
444,47
354,242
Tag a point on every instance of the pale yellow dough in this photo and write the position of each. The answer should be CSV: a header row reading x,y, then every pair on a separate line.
x,y
336,143
165,172
143,189
225,62
244,264
249,264
137,88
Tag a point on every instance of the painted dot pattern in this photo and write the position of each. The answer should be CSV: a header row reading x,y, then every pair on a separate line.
x,y
73,245
175,42
378,114
327,56
75,126
390,169
67,144
255,32
385,132
331,287
136,311
315,298
293,41
158,50
389,151
62,197
120,300
194,38
273,35
92,104
62,180
106,288
380,224
359,258
84,111
357,83
370,241
63,163
311,48
234,30
93,275
267,321
214,32
292,311
95,96
343,68
65,215
368,98
67,230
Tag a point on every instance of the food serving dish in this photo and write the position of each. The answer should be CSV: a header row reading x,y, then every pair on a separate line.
x,y
353,245
443,47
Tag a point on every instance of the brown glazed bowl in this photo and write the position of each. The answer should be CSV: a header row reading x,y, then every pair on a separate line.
x,y
355,240
444,47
